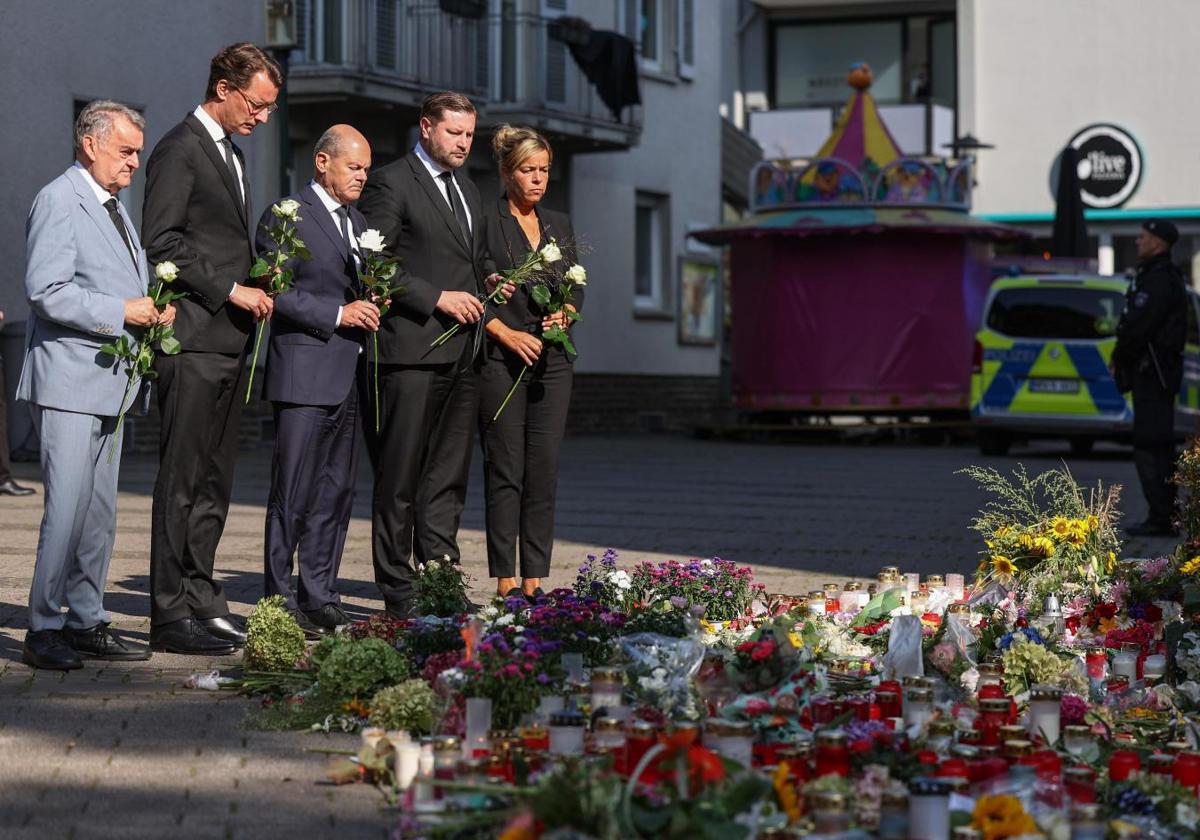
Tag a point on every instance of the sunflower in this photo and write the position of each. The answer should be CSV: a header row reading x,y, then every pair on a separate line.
x,y
1190,567
997,817
1041,547
1112,563
1091,522
1060,526
1001,565
1002,532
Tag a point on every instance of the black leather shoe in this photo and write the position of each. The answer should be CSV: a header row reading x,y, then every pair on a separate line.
x,y
101,643
225,628
311,631
329,617
49,649
1152,529
535,594
515,592
11,488
187,635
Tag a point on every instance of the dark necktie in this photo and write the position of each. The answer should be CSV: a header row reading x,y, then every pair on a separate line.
x,y
343,213
456,206
115,215
227,147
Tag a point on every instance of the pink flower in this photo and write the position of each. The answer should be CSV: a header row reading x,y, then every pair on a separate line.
x,y
1072,710
943,655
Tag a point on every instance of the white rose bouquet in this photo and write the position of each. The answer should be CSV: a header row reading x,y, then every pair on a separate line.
x,y
272,265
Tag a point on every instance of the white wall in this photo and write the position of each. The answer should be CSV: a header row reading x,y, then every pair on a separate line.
x,y
152,54
679,155
1032,73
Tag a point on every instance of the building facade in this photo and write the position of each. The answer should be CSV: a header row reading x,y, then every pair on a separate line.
x,y
1027,77
635,181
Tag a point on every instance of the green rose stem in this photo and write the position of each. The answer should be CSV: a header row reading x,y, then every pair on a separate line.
x,y
376,276
288,247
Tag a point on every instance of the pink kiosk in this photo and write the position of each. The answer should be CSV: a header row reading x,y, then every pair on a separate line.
x,y
858,279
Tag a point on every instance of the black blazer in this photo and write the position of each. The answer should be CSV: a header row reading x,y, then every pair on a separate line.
x,y
507,247
404,204
194,217
308,361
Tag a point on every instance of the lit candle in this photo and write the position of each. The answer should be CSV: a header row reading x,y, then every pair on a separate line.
x,y
1124,664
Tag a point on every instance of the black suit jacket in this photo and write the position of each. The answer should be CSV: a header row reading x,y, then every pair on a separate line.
x,y
507,248
194,217
308,361
404,204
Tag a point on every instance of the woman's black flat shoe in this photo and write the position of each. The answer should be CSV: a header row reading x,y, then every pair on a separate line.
x,y
535,594
515,592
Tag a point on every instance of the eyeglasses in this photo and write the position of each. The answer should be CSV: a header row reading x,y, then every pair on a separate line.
x,y
257,108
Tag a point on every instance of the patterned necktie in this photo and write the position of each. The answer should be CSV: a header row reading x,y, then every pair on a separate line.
x,y
456,206
115,215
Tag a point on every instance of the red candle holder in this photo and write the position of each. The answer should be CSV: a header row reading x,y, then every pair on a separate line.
x,y
1123,764
1187,770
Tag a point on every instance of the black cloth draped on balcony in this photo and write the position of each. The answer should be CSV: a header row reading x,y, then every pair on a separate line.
x,y
609,60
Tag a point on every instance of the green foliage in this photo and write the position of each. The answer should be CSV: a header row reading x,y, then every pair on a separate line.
x,y
411,706
442,588
356,668
274,641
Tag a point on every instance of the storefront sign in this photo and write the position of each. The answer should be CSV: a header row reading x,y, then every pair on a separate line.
x,y
1110,165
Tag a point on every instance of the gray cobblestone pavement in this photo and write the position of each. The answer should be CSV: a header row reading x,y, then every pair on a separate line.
x,y
124,751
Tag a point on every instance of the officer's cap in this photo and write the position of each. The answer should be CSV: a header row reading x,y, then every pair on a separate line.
x,y
1163,229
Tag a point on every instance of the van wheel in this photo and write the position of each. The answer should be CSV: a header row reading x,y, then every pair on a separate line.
x,y
993,443
1082,446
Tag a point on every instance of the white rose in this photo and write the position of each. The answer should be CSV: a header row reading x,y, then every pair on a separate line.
x,y
286,209
550,253
166,271
371,240
577,274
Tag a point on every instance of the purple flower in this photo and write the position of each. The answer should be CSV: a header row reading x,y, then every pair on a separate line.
x,y
543,678
679,602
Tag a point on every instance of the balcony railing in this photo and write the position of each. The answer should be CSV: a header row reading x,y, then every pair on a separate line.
x,y
505,61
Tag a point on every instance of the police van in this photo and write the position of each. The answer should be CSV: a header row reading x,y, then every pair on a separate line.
x,y
1040,364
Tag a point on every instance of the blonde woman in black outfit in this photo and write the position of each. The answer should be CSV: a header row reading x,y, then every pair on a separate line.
x,y
521,447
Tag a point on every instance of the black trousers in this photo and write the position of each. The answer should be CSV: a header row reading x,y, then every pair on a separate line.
x,y
520,457
420,458
311,500
1154,448
200,398
5,465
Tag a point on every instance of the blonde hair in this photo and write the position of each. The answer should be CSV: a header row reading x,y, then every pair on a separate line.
x,y
512,146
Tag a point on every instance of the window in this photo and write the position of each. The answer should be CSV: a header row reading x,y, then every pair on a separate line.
x,y
810,60
556,54
386,32
650,33
685,28
650,253
1056,312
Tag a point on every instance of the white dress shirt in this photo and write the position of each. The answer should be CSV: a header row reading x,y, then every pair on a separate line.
x,y
436,169
218,134
333,205
102,195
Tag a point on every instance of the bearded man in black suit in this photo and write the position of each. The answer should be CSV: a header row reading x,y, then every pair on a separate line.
x,y
197,215
431,218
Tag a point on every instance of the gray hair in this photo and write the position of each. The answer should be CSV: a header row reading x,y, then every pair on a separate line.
x,y
96,119
330,142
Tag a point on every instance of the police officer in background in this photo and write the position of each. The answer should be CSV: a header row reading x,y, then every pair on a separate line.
x,y
1148,360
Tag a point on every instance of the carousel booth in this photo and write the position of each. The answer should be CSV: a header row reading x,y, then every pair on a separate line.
x,y
859,278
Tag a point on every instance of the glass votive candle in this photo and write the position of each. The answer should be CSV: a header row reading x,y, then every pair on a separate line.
x,y
918,706
889,703
1087,823
535,736
928,808
1080,783
1124,664
640,736
407,761
609,733
1187,770
829,813
1045,705
854,598
1155,667
1018,749
893,816
550,704
1122,764
1077,739
608,687
816,603
956,583
566,733
832,753
732,739
1176,747
1161,764
833,598
892,572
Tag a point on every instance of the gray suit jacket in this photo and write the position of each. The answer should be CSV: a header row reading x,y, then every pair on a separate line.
x,y
78,275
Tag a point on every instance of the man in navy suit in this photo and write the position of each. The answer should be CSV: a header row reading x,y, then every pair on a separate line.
x,y
317,333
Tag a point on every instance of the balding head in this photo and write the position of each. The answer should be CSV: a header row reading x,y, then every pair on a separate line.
x,y
341,159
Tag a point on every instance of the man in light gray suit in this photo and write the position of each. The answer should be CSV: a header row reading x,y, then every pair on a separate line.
x,y
86,282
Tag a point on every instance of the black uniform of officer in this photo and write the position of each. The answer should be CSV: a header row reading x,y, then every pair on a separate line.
x,y
1148,360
